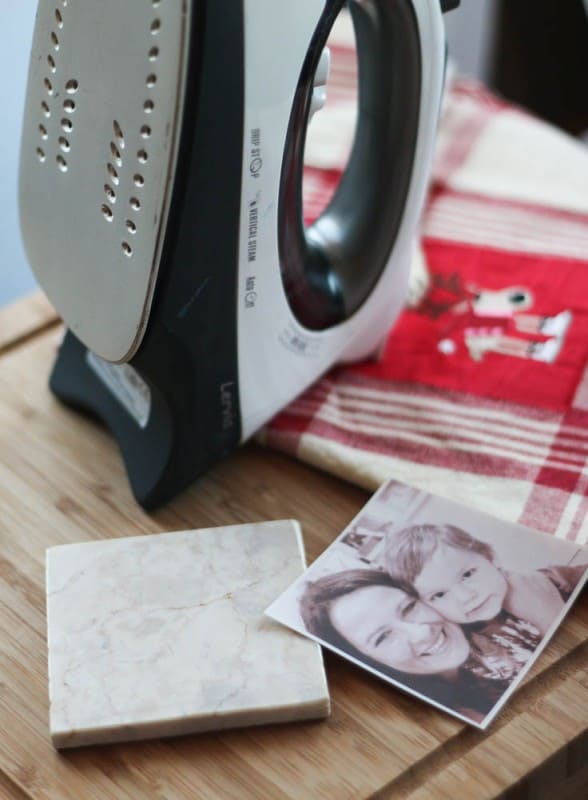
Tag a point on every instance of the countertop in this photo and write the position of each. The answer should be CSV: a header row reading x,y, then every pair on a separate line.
x,y
62,481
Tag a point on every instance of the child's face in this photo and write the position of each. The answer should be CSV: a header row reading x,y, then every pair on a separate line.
x,y
461,585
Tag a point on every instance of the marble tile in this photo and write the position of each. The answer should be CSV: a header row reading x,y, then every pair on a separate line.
x,y
165,634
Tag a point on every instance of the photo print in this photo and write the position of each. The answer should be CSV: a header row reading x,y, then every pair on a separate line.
x,y
446,603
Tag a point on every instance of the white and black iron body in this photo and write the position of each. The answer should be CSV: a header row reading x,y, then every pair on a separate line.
x,y
161,208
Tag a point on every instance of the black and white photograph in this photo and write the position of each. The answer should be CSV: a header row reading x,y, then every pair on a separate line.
x,y
446,603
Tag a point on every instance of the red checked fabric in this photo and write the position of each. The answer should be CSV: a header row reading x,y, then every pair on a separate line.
x,y
481,391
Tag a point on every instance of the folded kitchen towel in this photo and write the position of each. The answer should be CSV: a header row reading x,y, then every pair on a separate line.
x,y
481,390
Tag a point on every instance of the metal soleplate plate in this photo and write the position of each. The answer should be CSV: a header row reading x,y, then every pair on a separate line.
x,y
99,142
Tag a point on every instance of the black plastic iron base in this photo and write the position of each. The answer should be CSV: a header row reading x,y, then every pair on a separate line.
x,y
165,455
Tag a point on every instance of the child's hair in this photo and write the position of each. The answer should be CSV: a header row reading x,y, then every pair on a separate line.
x,y
407,551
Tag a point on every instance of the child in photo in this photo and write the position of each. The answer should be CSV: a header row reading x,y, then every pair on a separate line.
x,y
456,574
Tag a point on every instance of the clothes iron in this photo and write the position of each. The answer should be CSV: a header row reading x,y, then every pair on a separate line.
x,y
161,208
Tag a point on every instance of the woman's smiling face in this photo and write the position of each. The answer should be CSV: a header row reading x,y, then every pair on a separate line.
x,y
400,632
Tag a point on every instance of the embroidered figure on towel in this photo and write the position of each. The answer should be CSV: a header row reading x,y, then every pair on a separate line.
x,y
508,305
494,321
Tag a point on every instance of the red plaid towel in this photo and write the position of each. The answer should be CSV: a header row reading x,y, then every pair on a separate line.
x,y
481,392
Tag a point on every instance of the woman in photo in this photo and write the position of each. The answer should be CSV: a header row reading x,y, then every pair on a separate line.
x,y
381,623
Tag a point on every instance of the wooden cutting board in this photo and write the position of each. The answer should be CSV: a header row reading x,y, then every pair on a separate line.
x,y
62,481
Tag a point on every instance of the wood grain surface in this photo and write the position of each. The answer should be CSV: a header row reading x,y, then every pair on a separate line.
x,y
20,320
62,480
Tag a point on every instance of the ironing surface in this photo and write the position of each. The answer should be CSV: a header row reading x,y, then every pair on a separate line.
x,y
481,391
